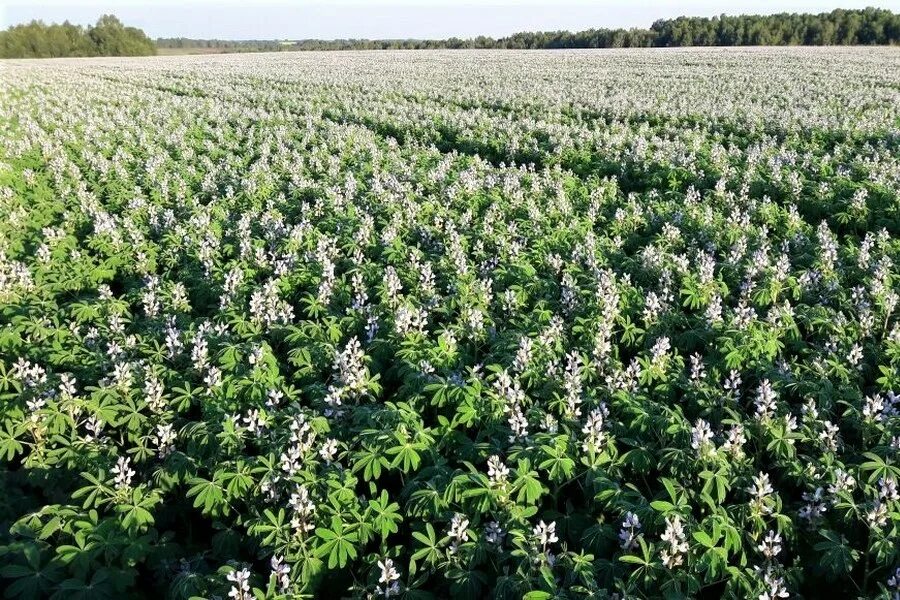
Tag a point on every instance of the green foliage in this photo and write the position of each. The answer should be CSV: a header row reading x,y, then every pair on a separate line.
x,y
487,325
109,37
840,27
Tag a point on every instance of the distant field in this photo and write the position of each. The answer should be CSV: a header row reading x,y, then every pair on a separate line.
x,y
543,324
181,51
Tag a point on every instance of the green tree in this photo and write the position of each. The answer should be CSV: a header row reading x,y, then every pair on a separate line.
x,y
109,37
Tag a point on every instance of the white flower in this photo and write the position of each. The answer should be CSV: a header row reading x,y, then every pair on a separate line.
x,y
123,473
855,355
761,486
518,424
497,471
213,379
594,436
887,489
771,545
545,533
304,510
328,450
658,353
673,555
388,584
701,439
164,439
281,571
877,516
273,398
256,355
843,482
241,584
350,366
572,385
774,586
523,354
459,531
829,435
255,421
734,443
765,400
733,383
760,490
94,426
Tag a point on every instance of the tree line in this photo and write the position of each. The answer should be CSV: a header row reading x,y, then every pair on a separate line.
x,y
838,27
109,37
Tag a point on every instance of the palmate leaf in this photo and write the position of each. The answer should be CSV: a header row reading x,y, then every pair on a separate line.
x,y
385,514
430,552
370,461
466,583
79,558
878,468
84,312
715,487
237,482
837,556
406,453
467,413
136,515
186,396
425,503
208,495
478,494
272,526
527,484
10,446
95,494
558,465
337,543
230,358
101,585
34,579
8,382
129,413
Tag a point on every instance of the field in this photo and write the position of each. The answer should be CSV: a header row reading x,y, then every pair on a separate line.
x,y
575,324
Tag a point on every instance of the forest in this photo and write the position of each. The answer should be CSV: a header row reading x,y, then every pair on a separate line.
x,y
109,37
869,26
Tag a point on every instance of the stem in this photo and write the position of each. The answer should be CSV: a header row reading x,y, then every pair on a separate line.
x,y
865,584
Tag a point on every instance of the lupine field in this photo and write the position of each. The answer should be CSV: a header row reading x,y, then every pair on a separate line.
x,y
615,324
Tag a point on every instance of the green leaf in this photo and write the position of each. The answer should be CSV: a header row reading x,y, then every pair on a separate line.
x,y
703,538
339,544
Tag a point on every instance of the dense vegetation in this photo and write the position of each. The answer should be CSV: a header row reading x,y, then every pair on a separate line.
x,y
109,37
839,27
489,324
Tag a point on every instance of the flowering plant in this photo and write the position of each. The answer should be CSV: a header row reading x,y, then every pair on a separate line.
x,y
600,324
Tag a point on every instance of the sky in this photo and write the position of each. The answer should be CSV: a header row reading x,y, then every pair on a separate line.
x,y
331,19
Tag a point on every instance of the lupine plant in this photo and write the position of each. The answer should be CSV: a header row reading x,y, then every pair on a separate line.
x,y
451,324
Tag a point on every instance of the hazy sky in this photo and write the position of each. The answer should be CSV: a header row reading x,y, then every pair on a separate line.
x,y
328,19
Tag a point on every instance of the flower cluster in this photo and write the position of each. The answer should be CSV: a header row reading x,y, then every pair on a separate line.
x,y
451,324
